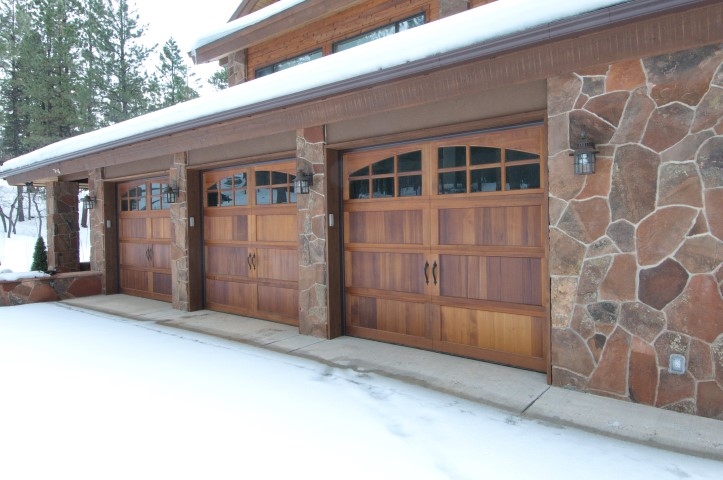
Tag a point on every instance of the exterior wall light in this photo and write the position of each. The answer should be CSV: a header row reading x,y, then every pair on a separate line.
x,y
29,187
584,154
303,182
171,193
88,202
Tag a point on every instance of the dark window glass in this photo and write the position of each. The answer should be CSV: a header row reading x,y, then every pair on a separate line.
x,y
410,186
523,176
380,32
212,196
410,162
226,198
280,195
383,187
450,157
452,182
291,62
383,167
359,189
239,180
485,180
124,205
262,178
362,172
484,155
279,178
517,156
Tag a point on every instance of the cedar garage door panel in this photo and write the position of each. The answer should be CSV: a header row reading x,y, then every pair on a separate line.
x,y
444,246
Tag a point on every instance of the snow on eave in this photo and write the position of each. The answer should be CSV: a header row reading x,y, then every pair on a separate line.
x,y
426,45
242,23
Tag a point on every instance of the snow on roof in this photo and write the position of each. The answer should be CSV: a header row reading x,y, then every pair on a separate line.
x,y
474,26
243,22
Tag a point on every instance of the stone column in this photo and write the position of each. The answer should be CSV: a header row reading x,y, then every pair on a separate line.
x,y
312,214
180,234
102,221
63,226
236,68
450,7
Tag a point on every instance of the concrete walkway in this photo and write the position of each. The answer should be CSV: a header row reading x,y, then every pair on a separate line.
x,y
518,391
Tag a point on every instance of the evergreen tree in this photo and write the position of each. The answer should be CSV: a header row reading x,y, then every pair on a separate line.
x,y
127,81
40,257
219,80
172,77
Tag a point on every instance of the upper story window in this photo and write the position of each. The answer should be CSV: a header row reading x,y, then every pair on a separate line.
x,y
380,32
288,63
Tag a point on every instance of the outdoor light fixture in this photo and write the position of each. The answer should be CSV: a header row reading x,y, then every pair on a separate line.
x,y
302,182
88,202
29,187
584,155
171,192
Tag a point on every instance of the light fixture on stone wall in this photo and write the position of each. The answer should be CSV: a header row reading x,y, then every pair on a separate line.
x,y
171,193
88,202
584,155
303,182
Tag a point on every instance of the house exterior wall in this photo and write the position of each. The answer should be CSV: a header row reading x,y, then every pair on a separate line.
x,y
636,248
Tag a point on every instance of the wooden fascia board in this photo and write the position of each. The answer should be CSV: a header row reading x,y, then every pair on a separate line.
x,y
411,85
293,18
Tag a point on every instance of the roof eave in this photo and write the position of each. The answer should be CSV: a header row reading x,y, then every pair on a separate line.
x,y
571,27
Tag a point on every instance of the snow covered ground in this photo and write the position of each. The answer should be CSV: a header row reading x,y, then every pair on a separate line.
x,y
88,396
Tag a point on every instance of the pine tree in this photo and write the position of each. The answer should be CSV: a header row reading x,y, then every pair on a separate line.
x,y
40,257
219,80
173,76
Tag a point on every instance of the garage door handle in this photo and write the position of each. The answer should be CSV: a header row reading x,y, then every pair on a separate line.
x,y
426,272
253,260
249,261
434,272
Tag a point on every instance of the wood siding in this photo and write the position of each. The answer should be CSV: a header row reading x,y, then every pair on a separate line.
x,y
345,24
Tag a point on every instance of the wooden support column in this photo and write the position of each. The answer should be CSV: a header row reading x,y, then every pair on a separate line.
x,y
312,225
63,226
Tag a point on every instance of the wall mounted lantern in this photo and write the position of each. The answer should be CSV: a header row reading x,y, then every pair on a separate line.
x,y
303,182
584,154
29,187
88,202
171,193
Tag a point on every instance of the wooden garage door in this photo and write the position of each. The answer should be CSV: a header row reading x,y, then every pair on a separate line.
x,y
444,246
251,242
144,237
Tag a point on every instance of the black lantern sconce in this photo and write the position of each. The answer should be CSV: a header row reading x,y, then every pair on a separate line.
x,y
303,182
171,193
88,202
29,187
584,155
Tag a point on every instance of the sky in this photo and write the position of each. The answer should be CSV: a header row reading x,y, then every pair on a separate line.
x,y
185,21
87,395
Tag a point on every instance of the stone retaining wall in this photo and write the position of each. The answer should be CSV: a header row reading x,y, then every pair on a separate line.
x,y
50,289
636,248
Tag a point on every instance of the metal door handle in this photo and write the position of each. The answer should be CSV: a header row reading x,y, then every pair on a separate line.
x,y
426,272
148,254
434,272
249,261
253,261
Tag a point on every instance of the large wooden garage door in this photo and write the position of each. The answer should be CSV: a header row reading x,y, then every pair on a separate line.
x,y
144,230
251,242
444,246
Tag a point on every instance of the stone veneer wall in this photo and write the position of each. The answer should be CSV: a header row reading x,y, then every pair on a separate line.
x,y
50,289
313,291
636,248
180,235
63,226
